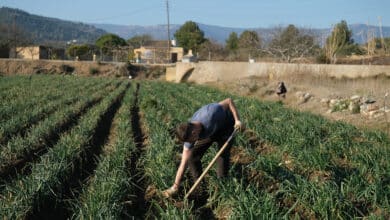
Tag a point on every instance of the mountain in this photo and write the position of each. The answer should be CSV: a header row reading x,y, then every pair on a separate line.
x,y
220,34
159,32
44,30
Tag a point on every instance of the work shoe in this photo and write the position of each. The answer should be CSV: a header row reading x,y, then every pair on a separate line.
x,y
169,192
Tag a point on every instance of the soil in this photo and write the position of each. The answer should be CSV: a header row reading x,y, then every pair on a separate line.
x,y
320,88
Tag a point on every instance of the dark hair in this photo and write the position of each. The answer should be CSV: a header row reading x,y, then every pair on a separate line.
x,y
183,131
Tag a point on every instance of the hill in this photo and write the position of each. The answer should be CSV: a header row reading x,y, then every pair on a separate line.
x,y
220,34
44,30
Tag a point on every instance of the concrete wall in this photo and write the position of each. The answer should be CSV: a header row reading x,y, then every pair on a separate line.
x,y
202,72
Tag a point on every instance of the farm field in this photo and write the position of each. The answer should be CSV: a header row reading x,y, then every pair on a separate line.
x,y
89,147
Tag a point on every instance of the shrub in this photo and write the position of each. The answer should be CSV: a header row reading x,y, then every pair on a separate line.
x,y
67,68
93,70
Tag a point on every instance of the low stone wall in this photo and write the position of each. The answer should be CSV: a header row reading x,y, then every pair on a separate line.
x,y
202,72
23,66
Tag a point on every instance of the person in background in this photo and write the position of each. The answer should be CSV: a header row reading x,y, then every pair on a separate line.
x,y
281,90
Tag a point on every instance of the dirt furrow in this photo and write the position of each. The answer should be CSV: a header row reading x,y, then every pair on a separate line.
x,y
140,205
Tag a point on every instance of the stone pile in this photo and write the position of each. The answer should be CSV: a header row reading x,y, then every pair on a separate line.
x,y
355,105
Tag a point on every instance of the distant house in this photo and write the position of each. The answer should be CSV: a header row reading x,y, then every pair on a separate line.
x,y
157,52
37,53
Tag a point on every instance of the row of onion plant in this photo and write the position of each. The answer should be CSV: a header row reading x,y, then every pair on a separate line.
x,y
47,177
105,196
41,135
21,121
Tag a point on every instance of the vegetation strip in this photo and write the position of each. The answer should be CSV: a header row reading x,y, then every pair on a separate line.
x,y
21,150
111,184
18,105
20,123
55,166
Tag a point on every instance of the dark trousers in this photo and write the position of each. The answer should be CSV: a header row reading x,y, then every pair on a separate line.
x,y
200,148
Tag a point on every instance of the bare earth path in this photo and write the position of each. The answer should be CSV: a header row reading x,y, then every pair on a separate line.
x,y
320,89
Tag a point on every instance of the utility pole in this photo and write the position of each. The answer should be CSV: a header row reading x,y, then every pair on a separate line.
x,y
169,37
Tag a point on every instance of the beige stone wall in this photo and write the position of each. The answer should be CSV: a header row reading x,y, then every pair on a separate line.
x,y
228,71
170,74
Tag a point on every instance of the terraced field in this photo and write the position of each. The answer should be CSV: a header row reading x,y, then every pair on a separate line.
x,y
74,147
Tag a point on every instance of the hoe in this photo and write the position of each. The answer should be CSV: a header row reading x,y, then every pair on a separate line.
x,y
210,164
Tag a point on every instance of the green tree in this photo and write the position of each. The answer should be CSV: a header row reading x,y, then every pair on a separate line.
x,y
108,42
83,51
232,46
189,36
339,42
289,43
232,43
139,40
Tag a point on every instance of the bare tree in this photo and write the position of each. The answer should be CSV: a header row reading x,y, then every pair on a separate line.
x,y
211,50
291,43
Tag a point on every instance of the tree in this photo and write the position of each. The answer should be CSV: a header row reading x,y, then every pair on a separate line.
x,y
232,44
339,40
12,36
108,42
249,39
290,43
211,50
189,36
139,40
83,51
380,45
249,43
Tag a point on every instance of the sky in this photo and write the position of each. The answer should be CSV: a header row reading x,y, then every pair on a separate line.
x,y
225,13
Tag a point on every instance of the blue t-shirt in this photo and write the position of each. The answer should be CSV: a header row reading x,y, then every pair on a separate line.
x,y
212,117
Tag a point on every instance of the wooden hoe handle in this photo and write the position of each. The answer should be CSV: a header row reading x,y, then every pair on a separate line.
x,y
210,164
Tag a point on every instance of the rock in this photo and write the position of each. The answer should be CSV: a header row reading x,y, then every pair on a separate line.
x,y
375,114
355,98
372,108
303,97
333,102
